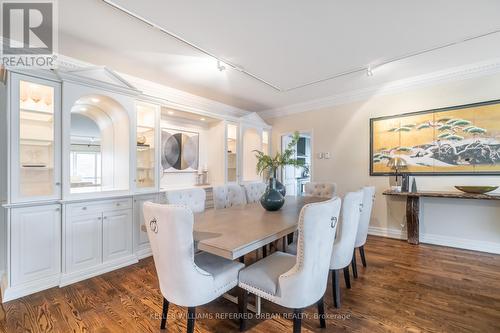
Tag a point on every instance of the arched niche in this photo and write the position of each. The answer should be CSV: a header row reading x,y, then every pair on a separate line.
x,y
113,123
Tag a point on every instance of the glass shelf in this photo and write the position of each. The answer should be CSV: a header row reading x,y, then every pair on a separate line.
x,y
36,139
146,148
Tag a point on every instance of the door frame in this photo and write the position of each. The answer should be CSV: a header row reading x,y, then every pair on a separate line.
x,y
309,132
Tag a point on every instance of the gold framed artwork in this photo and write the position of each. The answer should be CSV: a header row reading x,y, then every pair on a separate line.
x,y
458,140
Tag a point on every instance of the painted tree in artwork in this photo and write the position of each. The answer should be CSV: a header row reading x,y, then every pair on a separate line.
x,y
457,138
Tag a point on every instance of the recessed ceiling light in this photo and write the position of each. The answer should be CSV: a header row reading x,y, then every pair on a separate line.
x,y
95,100
202,119
83,108
170,112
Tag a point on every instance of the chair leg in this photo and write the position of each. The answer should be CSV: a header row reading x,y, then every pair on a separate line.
x,y
191,319
336,288
347,277
164,313
242,308
297,320
321,313
354,265
362,254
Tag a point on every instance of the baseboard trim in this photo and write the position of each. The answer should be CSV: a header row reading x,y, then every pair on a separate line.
x,y
12,293
70,278
461,243
385,232
455,242
144,253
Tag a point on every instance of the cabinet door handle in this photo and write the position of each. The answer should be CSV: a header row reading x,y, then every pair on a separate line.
x,y
84,208
58,184
105,217
99,218
58,209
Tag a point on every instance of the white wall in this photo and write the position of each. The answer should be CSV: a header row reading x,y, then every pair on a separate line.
x,y
344,132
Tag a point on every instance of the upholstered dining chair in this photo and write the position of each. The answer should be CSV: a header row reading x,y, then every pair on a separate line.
x,y
317,189
254,191
364,222
194,198
228,195
343,247
297,282
185,279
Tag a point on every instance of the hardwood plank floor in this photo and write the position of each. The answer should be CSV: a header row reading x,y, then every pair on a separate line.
x,y
405,288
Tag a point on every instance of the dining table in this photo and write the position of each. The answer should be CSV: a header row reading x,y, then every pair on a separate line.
x,y
234,232
239,230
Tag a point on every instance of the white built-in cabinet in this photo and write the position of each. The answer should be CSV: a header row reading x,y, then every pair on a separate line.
x,y
141,241
35,139
35,238
97,234
60,225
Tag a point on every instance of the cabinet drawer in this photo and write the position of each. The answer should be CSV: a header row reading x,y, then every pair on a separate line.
x,y
99,206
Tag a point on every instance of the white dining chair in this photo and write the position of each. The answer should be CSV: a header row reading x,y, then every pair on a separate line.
x,y
297,282
364,222
254,191
344,243
228,195
317,189
185,279
194,198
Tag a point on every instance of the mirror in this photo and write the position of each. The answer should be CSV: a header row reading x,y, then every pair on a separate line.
x,y
85,153
100,147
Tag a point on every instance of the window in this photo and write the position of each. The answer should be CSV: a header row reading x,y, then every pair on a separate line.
x,y
85,168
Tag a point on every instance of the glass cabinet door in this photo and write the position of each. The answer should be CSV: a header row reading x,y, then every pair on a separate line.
x,y
146,143
35,110
232,153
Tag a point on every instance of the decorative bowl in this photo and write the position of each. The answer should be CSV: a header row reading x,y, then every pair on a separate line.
x,y
476,189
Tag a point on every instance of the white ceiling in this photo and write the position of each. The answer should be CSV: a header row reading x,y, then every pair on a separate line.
x,y
287,43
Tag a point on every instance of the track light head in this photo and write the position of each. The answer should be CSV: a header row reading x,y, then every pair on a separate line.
x,y
369,71
221,66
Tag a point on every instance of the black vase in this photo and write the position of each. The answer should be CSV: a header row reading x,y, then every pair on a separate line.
x,y
279,186
272,199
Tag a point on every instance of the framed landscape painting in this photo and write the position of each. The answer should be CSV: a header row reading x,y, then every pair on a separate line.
x,y
456,140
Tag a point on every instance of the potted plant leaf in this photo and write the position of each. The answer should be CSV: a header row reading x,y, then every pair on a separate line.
x,y
274,197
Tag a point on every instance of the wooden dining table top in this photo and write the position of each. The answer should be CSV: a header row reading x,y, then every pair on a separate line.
x,y
236,231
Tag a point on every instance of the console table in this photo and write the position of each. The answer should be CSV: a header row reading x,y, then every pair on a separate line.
x,y
413,203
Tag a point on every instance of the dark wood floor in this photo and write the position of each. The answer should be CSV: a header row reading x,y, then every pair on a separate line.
x,y
404,289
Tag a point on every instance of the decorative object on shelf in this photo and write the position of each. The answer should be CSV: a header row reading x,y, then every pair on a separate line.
x,y
414,185
272,199
455,140
141,140
397,164
179,150
405,183
476,189
267,165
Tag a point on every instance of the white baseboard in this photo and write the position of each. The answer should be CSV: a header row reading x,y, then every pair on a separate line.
x,y
11,293
460,243
67,279
144,253
385,232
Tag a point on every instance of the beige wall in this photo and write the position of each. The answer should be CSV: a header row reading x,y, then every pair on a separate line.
x,y
343,131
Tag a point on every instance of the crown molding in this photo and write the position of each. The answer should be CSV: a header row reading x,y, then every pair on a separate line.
x,y
454,74
162,94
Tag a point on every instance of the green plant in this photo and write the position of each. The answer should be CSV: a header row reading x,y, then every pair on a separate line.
x,y
266,163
